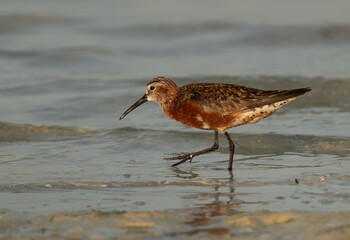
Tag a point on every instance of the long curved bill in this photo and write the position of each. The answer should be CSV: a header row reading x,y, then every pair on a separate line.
x,y
135,105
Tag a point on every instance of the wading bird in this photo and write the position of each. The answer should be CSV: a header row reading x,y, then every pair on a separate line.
x,y
214,106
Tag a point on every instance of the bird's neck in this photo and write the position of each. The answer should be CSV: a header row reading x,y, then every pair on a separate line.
x,y
167,100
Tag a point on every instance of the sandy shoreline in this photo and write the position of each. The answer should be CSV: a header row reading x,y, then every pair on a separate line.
x,y
192,224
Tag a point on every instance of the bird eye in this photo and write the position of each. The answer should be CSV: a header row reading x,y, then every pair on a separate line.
x,y
152,88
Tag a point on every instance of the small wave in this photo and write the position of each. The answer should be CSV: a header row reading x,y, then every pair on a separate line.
x,y
177,30
287,35
247,143
14,21
12,132
194,183
98,185
339,146
73,53
17,53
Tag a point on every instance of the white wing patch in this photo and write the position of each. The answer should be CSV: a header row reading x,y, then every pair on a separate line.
x,y
200,119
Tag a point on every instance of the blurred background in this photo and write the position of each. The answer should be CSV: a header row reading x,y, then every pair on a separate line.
x,y
52,53
69,69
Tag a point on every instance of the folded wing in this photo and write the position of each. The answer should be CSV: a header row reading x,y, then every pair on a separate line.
x,y
229,98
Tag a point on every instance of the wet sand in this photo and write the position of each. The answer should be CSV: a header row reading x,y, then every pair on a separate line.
x,y
214,221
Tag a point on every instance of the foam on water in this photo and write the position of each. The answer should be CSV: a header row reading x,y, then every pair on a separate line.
x,y
11,132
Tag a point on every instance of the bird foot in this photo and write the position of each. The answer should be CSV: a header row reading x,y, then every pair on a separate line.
x,y
186,156
183,158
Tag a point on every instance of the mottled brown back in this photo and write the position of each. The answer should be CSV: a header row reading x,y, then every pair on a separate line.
x,y
230,98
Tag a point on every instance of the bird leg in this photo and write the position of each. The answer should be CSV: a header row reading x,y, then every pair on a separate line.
x,y
232,150
189,156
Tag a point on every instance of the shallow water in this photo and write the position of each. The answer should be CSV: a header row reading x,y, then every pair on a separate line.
x,y
68,72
